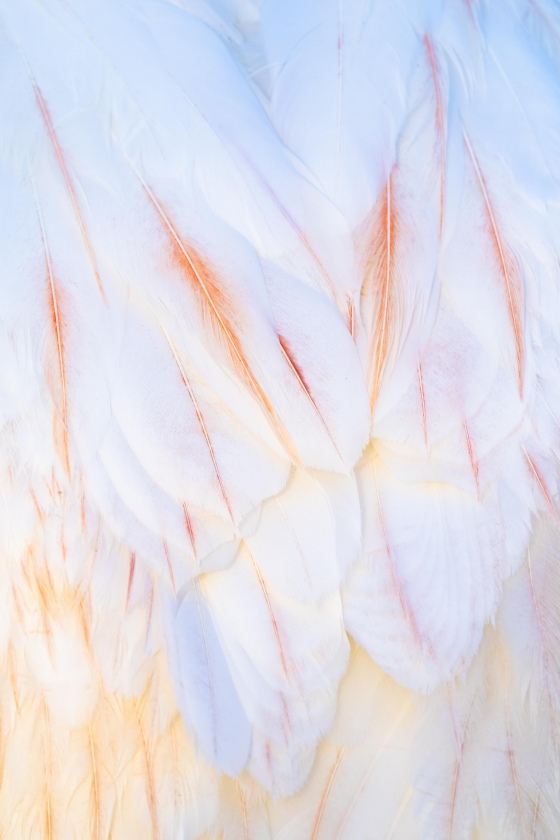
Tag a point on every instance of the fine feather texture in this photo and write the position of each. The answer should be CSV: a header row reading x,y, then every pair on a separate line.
x,y
280,419
204,684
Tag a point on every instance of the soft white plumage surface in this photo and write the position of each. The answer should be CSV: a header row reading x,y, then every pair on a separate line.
x,y
280,419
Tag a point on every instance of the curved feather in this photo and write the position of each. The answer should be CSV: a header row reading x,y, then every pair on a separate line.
x,y
283,279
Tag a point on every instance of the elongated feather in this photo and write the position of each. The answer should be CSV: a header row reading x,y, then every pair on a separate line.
x,y
508,270
204,685
283,280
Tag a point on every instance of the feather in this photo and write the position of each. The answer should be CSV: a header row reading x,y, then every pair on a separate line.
x,y
279,419
57,319
60,157
382,275
500,750
204,685
440,124
286,687
508,270
361,776
393,597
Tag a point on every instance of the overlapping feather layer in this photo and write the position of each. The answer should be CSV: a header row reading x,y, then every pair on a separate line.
x,y
280,419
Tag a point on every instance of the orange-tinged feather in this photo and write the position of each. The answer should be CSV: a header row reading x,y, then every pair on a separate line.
x,y
43,598
84,624
271,614
244,809
351,315
94,786
47,753
53,294
509,269
150,788
204,280
299,374
189,527
130,577
47,119
326,793
379,289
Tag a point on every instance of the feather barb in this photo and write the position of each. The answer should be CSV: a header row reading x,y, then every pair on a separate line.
x,y
509,269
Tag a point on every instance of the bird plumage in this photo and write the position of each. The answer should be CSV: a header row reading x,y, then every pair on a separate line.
x,y
280,419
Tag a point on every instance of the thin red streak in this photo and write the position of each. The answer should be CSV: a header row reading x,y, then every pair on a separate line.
x,y
472,459
62,545
83,620
130,577
541,482
56,323
169,566
378,291
297,544
201,424
351,317
45,617
197,269
189,527
515,315
383,338
232,340
271,615
248,160
325,795
36,504
457,773
61,162
298,373
423,404
513,769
